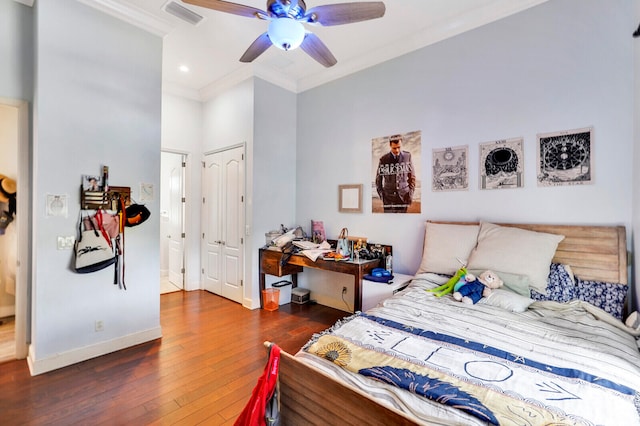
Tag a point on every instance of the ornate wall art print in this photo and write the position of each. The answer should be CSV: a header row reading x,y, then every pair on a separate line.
x,y
564,158
450,169
395,173
502,164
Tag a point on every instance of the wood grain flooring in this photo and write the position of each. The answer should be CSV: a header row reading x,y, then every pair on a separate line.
x,y
7,339
202,370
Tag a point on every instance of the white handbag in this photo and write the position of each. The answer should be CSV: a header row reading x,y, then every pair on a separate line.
x,y
92,250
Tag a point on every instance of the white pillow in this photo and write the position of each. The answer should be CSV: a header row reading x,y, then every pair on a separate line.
x,y
516,283
444,244
515,251
506,299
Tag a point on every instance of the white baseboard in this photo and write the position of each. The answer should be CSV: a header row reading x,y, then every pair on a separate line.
x,y
39,366
251,303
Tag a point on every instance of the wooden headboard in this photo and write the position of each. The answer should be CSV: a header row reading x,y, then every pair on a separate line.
x,y
596,253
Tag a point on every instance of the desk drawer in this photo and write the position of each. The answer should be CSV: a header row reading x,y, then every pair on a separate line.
x,y
270,264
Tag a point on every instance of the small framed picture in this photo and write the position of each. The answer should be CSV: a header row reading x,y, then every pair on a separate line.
x,y
350,198
564,158
91,183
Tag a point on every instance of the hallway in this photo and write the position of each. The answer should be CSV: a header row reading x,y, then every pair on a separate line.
x,y
7,339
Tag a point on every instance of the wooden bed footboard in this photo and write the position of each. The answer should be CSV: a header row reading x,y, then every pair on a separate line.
x,y
310,397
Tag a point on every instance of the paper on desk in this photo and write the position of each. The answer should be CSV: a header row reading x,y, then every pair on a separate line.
x,y
313,254
306,245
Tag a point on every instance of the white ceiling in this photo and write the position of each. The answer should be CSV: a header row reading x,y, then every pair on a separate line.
x,y
212,48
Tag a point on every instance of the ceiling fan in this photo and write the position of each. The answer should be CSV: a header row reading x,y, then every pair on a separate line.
x,y
285,23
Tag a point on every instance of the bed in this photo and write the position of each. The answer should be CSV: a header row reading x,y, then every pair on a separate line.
x,y
547,349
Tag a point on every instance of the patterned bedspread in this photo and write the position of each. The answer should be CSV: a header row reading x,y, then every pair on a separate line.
x,y
554,364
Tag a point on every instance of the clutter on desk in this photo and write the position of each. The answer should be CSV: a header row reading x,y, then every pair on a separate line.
x,y
317,231
277,239
322,249
343,246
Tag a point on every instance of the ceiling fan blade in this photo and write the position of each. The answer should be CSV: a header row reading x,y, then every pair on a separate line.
x,y
345,13
257,48
315,48
228,7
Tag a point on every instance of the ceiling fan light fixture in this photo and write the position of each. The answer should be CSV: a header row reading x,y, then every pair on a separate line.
x,y
286,33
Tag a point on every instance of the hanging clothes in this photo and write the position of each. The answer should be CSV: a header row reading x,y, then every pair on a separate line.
x,y
263,407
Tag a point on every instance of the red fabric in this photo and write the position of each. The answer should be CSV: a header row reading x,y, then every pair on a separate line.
x,y
110,223
254,412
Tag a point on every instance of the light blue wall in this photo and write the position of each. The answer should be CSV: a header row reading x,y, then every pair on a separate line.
x,y
261,116
182,132
16,51
97,102
562,65
274,172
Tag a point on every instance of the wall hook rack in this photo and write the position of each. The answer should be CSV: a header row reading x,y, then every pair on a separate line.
x,y
96,200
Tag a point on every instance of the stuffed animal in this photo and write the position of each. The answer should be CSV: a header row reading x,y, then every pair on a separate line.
x,y
449,286
465,279
473,291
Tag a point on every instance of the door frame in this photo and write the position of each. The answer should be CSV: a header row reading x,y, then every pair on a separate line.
x,y
186,208
23,204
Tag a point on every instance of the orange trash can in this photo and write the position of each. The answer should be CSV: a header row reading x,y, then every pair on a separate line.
x,y
271,299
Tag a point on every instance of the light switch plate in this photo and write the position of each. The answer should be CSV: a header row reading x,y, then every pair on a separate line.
x,y
66,243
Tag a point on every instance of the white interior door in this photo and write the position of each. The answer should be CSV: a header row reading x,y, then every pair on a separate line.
x,y
175,225
223,223
211,226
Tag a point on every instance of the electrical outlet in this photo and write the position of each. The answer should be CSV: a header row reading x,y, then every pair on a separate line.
x,y
99,325
344,290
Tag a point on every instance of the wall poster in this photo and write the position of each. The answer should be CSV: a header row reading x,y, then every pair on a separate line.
x,y
502,164
396,160
564,158
451,169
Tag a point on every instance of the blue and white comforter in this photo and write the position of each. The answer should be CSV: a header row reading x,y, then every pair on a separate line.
x,y
477,364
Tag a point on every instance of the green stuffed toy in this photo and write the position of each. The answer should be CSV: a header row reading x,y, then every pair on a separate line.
x,y
448,287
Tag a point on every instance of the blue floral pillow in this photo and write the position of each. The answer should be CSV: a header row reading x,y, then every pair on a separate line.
x,y
560,285
606,296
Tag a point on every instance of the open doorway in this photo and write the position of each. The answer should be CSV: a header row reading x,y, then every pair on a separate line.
x,y
172,201
14,230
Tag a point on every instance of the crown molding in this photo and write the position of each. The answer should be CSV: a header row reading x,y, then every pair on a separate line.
x,y
26,2
131,14
181,91
245,72
225,83
466,22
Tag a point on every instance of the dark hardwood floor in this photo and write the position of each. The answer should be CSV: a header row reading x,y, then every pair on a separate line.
x,y
202,371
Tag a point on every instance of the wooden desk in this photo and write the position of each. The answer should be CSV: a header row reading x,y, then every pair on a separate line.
x,y
270,264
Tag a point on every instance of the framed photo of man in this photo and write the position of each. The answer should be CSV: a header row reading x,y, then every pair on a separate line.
x,y
395,172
